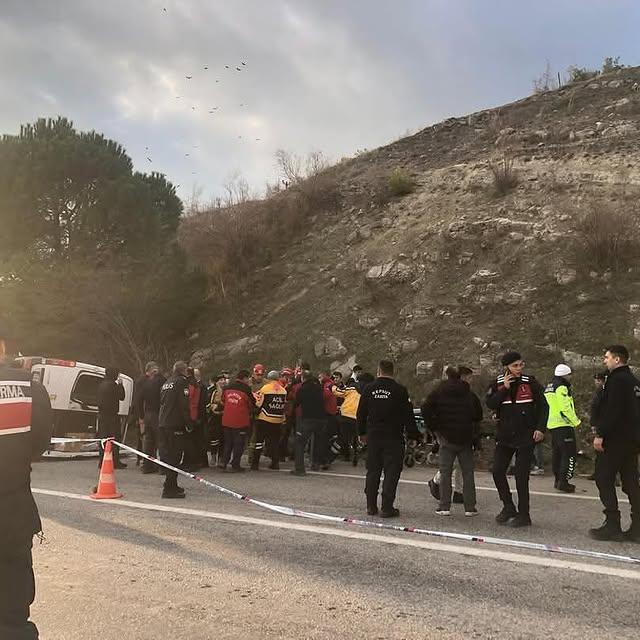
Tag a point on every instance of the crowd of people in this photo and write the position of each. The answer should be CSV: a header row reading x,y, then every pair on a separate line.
x,y
193,425
296,414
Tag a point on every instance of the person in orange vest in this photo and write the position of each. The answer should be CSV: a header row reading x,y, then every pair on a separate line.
x,y
26,423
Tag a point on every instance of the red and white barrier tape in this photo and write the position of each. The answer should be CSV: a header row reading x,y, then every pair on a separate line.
x,y
291,511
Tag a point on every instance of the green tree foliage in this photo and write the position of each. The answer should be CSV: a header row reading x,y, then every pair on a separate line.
x,y
89,264
65,193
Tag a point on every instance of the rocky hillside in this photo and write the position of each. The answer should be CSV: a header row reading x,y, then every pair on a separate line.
x,y
454,272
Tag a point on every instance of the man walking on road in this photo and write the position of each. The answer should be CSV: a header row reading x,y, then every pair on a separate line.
x,y
562,423
453,412
384,414
617,443
149,410
26,422
522,410
174,417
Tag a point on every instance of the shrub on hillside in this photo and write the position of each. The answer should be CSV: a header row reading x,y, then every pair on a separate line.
x,y
608,237
400,183
505,177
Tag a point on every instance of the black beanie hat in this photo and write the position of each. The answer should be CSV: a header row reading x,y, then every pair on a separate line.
x,y
510,357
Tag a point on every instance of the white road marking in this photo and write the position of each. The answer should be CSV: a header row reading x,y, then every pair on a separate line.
x,y
518,558
552,494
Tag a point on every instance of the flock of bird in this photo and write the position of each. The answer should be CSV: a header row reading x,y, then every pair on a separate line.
x,y
242,66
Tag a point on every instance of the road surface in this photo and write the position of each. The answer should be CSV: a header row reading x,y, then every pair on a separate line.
x,y
210,566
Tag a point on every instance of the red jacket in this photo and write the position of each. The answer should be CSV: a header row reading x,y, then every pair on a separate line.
x,y
239,405
330,401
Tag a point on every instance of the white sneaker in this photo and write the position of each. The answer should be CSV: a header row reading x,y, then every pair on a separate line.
x,y
470,514
443,512
537,471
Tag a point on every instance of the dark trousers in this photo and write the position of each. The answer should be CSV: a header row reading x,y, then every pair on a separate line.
x,y
348,432
383,454
267,442
216,438
305,429
171,450
17,592
501,462
109,427
617,458
235,441
150,438
447,457
564,452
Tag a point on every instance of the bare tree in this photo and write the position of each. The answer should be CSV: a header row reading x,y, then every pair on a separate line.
x,y
236,190
290,166
545,81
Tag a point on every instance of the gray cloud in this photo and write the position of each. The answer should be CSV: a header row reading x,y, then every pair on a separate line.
x,y
335,76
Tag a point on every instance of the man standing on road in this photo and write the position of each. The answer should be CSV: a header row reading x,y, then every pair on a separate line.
x,y
271,404
26,423
173,419
237,416
310,398
562,422
617,443
110,395
453,412
149,410
522,410
384,413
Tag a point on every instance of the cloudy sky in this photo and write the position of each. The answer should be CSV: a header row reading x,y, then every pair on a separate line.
x,y
329,75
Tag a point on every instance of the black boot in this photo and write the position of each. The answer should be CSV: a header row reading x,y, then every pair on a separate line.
x,y
255,460
508,511
566,487
372,505
610,530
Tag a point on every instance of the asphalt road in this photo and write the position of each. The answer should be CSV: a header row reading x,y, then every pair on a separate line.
x,y
213,567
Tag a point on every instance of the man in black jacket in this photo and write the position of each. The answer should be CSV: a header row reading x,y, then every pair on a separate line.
x,y
148,409
522,412
110,395
26,423
453,412
312,422
384,414
617,443
173,420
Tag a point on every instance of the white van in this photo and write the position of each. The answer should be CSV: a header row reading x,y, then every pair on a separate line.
x,y
73,390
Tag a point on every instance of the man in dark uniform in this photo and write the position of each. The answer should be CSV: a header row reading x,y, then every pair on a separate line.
x,y
110,395
26,423
617,443
149,411
174,418
384,414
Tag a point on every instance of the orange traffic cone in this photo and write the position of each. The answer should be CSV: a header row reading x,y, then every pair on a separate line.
x,y
106,489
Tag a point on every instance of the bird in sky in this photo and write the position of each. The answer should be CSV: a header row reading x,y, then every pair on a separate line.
x,y
164,9
205,68
226,66
257,139
238,68
178,97
188,77
193,108
149,159
186,154
244,64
